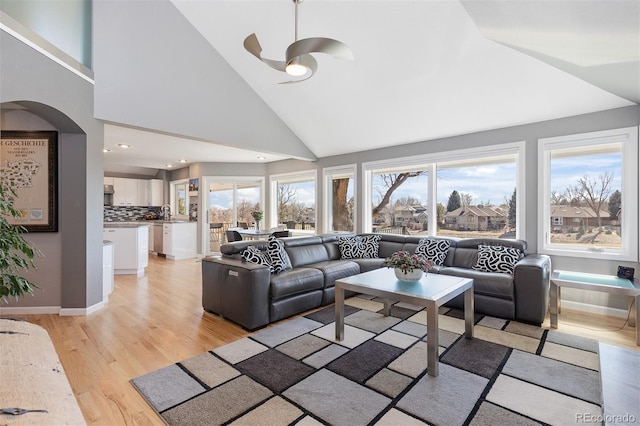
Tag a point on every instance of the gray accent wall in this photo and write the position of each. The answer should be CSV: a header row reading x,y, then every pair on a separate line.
x,y
180,84
70,273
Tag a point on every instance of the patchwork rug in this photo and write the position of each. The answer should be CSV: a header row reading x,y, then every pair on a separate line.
x,y
296,373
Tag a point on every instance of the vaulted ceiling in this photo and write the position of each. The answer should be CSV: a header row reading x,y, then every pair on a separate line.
x,y
422,69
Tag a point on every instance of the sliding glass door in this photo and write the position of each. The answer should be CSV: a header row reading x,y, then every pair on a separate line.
x,y
228,203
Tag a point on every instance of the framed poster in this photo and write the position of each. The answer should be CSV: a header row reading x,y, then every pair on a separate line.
x,y
29,165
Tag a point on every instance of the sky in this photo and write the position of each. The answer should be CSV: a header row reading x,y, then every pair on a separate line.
x,y
492,183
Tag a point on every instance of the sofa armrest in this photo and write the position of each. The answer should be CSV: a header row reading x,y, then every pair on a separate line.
x,y
237,290
531,280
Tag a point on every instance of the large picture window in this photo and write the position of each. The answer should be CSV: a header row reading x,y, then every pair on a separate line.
x,y
339,200
588,202
294,201
466,193
477,197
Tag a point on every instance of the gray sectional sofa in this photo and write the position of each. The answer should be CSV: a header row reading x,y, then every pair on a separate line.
x,y
250,295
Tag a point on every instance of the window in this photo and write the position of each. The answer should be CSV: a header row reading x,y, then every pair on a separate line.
x,y
478,196
399,199
294,200
588,202
180,199
466,193
339,200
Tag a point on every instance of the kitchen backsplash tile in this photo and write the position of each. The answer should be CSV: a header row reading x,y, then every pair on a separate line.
x,y
124,214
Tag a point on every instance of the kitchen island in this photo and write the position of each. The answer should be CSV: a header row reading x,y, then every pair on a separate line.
x,y
130,246
175,239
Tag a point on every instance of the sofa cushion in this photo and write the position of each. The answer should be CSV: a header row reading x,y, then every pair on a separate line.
x,y
492,284
497,259
255,255
295,281
359,247
335,269
367,265
279,258
433,250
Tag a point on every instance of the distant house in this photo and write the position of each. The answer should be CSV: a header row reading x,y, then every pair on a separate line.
x,y
475,219
403,215
567,219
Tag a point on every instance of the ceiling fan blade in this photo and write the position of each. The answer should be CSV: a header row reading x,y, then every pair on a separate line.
x,y
329,46
310,62
252,45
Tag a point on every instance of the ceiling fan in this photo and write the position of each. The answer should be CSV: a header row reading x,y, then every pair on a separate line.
x,y
298,61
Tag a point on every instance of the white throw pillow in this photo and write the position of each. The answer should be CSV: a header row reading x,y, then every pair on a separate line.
x,y
497,259
433,250
359,247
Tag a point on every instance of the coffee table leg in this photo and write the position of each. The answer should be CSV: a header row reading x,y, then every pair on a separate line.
x,y
432,340
339,313
469,313
554,304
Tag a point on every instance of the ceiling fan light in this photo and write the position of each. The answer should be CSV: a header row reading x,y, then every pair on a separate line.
x,y
296,68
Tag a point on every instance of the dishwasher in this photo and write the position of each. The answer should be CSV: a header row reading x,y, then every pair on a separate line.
x,y
157,239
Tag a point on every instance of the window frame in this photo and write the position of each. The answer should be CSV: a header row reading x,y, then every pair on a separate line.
x,y
429,162
328,174
293,176
173,198
628,137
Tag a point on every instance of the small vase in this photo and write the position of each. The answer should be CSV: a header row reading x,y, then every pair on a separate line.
x,y
411,275
257,225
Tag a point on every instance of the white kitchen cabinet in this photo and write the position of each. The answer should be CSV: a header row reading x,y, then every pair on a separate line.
x,y
108,180
150,244
107,269
179,240
130,248
125,192
157,192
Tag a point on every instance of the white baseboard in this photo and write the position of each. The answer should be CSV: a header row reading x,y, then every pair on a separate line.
x,y
594,309
48,310
30,310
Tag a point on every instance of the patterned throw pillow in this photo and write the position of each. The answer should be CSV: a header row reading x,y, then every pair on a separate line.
x,y
255,255
359,247
433,250
277,254
497,259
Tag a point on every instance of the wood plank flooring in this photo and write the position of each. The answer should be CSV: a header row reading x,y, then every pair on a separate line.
x,y
155,320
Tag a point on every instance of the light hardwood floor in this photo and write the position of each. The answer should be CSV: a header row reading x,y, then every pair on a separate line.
x,y
155,320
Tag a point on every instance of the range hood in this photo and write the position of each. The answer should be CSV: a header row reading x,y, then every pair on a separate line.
x,y
108,189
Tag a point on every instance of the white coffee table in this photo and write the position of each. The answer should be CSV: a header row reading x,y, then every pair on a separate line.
x,y
594,282
432,291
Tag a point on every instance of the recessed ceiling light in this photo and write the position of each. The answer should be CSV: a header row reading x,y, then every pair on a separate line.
x,y
106,150
182,161
124,145
262,158
169,165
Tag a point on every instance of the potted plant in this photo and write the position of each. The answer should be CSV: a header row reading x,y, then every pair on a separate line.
x,y
16,253
407,266
257,216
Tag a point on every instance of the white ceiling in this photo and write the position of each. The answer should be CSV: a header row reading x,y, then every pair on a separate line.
x,y
422,70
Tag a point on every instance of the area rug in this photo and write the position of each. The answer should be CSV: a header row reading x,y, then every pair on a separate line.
x,y
296,373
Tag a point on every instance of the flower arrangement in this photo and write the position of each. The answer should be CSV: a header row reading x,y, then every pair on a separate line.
x,y
257,215
407,262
